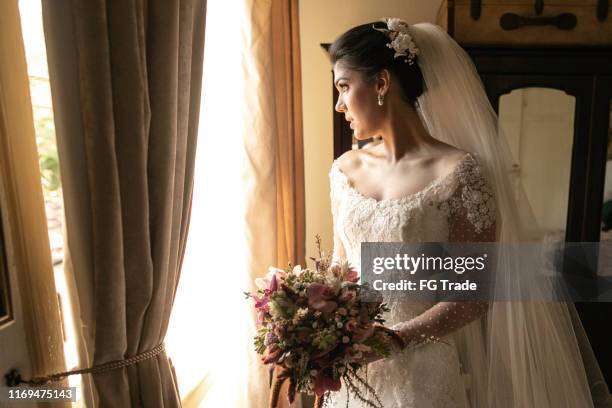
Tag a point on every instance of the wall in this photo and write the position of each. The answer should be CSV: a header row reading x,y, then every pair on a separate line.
x,y
321,21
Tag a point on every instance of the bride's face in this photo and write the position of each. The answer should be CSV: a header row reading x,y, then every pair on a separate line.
x,y
358,100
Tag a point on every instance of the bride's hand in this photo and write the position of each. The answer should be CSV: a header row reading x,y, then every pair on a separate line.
x,y
395,336
398,344
403,330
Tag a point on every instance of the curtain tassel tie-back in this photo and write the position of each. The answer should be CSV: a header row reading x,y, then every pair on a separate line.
x,y
13,378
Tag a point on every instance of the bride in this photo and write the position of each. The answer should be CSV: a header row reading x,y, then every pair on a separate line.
x,y
439,173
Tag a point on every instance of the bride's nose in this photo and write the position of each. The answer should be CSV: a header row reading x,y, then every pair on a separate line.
x,y
340,107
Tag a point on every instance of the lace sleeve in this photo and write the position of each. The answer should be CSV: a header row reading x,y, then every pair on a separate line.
x,y
339,253
472,218
472,207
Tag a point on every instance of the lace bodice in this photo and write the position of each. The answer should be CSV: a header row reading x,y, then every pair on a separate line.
x,y
456,207
459,206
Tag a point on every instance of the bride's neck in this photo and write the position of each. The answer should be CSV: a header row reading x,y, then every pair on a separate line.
x,y
404,135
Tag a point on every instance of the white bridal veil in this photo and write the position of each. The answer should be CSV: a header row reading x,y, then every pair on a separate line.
x,y
523,354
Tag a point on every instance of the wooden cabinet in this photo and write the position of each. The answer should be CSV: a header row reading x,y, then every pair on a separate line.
x,y
527,22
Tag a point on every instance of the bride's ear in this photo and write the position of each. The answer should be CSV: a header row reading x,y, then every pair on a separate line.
x,y
382,81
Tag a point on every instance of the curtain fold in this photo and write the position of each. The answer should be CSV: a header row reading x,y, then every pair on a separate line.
x,y
290,153
125,79
274,145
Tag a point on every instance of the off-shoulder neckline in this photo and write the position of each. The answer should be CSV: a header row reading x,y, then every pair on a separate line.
x,y
398,200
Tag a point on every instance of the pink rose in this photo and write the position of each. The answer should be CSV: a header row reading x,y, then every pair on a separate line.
x,y
352,276
320,297
348,295
351,325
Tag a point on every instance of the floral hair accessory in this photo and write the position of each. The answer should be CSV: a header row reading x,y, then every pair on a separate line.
x,y
401,41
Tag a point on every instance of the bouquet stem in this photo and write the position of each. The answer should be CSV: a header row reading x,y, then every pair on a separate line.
x,y
319,400
275,392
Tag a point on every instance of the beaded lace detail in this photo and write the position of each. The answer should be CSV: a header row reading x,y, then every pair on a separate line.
x,y
459,206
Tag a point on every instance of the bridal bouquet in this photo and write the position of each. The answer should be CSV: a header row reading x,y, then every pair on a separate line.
x,y
316,326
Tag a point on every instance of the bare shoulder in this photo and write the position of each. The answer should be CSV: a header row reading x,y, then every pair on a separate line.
x,y
450,159
350,161
441,162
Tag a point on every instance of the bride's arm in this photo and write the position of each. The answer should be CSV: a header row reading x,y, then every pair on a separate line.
x,y
339,253
472,220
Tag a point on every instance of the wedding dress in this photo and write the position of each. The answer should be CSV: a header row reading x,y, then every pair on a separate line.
x,y
459,206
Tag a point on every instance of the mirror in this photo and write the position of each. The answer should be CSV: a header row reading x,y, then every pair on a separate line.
x,y
539,126
606,216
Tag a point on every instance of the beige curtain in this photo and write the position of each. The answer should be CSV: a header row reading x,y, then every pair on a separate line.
x,y
274,147
290,151
125,79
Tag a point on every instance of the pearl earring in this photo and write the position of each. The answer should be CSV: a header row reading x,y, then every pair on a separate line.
x,y
381,100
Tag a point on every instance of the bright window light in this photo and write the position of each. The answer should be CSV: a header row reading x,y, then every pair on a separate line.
x,y
42,109
208,328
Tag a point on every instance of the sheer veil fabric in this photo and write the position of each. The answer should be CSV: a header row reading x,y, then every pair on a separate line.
x,y
522,354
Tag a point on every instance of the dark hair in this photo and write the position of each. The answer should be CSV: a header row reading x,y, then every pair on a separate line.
x,y
364,49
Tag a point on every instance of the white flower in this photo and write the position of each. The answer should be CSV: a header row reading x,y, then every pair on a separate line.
x,y
401,41
345,339
301,313
262,283
396,24
297,270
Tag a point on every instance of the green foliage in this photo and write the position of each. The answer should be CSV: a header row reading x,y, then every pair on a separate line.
x,y
259,340
380,344
325,339
47,153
